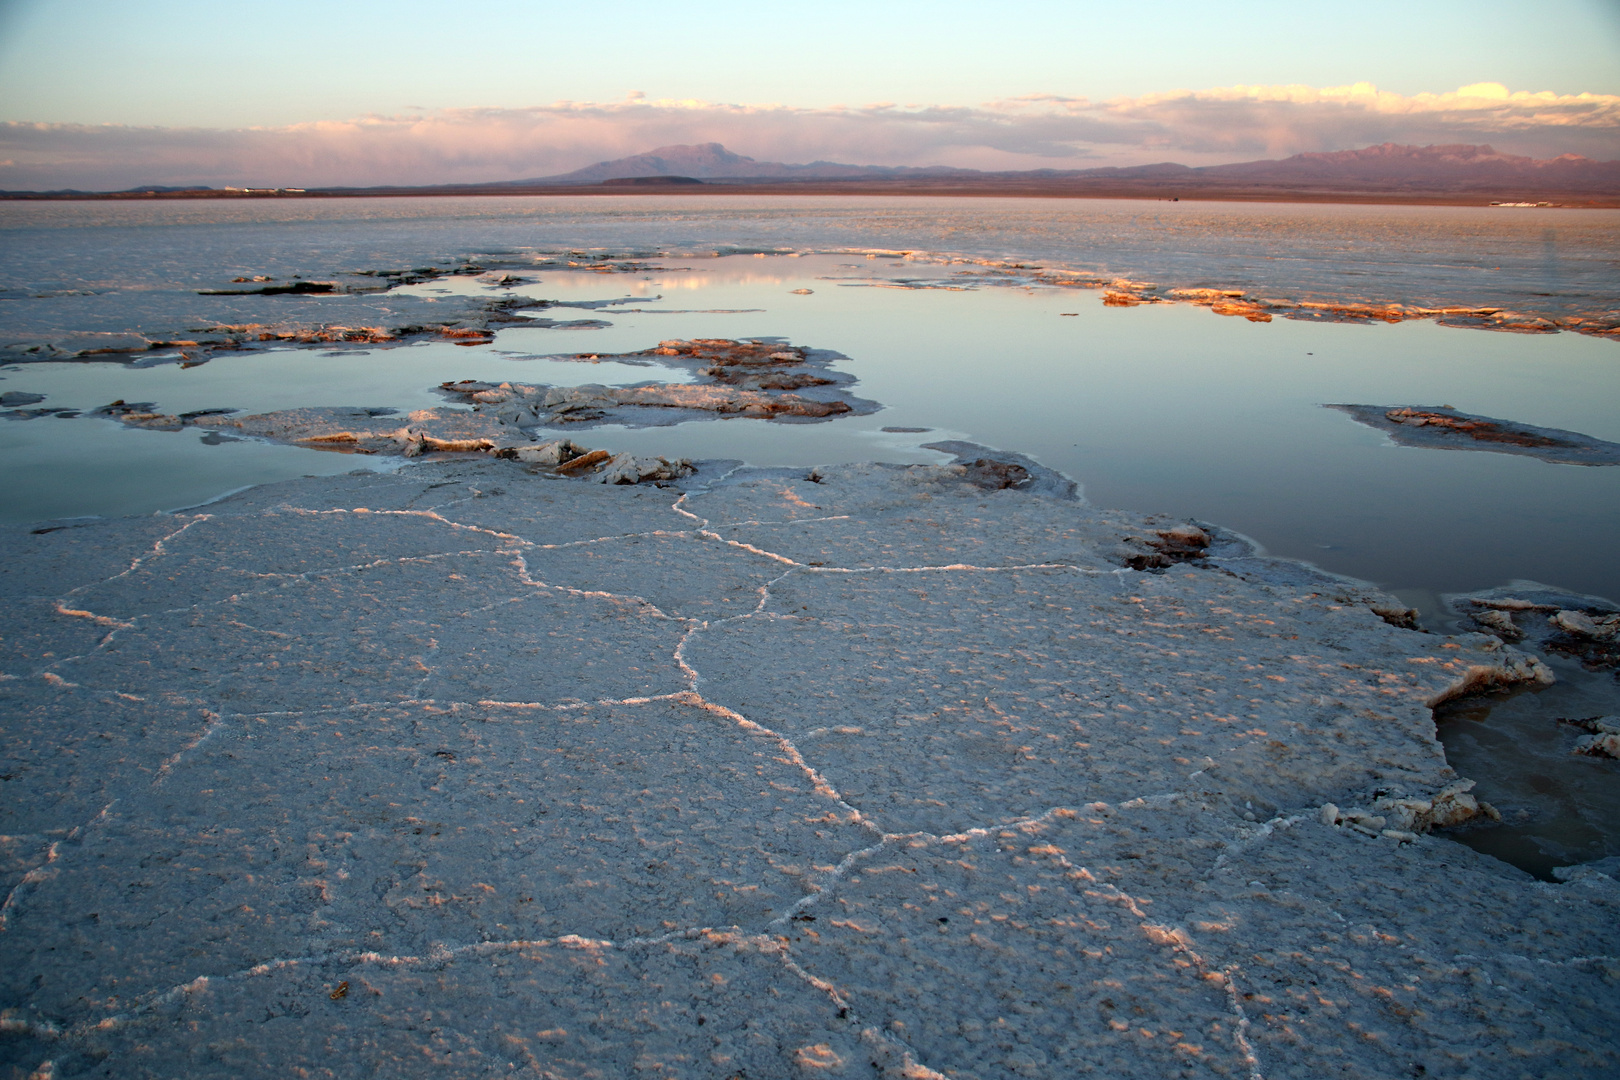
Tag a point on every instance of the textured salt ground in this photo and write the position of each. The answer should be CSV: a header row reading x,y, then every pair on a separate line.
x,y
467,771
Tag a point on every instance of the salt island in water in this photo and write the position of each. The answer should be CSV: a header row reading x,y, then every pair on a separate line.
x,y
558,741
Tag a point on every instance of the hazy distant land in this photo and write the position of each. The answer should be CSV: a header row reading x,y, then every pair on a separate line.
x,y
1389,173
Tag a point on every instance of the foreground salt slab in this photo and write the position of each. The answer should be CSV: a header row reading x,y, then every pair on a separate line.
x,y
470,770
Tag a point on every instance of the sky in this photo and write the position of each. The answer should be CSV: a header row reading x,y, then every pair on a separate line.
x,y
97,94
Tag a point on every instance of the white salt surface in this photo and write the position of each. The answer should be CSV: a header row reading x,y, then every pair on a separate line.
x,y
466,771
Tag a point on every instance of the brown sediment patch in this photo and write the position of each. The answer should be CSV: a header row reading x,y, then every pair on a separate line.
x,y
1482,430
467,335
584,461
1114,298
993,475
1248,309
752,365
1164,548
1389,313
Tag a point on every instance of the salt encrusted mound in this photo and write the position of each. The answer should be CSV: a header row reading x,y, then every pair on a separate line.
x,y
1443,428
1554,620
764,378
861,771
346,429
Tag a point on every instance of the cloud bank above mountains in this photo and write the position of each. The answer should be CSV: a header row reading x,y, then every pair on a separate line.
x,y
1043,131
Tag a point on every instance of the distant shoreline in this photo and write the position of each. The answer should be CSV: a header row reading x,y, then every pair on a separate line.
x,y
908,188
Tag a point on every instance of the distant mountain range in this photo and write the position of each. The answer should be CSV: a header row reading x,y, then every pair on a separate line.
x,y
1386,173
1391,163
711,161
1388,166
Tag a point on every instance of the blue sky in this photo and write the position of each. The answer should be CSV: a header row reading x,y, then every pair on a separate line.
x,y
228,64
809,79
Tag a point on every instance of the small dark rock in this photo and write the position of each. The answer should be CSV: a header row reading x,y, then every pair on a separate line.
x,y
995,475
297,288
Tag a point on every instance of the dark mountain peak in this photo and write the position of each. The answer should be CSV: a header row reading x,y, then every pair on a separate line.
x,y
710,153
702,160
712,161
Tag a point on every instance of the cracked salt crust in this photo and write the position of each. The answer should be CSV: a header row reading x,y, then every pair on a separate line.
x,y
464,771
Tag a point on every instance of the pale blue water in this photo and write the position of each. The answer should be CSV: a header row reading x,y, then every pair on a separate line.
x,y
1157,408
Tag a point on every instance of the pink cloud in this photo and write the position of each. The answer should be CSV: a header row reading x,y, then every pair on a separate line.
x,y
466,145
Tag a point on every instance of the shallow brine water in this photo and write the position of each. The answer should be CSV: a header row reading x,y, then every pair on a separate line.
x,y
1157,408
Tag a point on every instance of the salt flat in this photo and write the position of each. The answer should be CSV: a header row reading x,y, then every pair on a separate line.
x,y
469,770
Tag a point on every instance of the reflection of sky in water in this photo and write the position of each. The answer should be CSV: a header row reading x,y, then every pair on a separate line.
x,y
1166,408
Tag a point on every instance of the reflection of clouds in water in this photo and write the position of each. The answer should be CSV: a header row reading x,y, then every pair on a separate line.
x,y
1154,406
